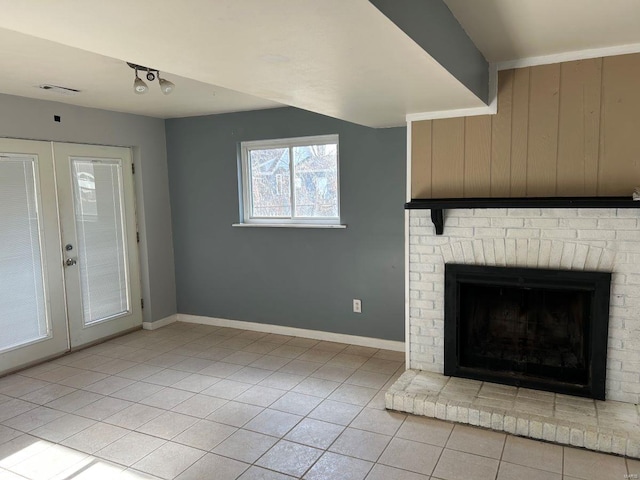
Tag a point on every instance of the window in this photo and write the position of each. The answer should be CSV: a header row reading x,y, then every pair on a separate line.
x,y
290,182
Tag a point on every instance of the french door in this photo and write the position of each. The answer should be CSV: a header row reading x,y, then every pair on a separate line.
x,y
68,255
97,217
32,304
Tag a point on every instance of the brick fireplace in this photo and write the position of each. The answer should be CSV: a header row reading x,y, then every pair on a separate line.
x,y
606,240
580,239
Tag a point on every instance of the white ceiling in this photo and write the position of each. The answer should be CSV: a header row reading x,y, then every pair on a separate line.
x,y
515,29
341,58
27,62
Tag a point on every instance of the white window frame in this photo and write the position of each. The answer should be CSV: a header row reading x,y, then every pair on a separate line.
x,y
245,183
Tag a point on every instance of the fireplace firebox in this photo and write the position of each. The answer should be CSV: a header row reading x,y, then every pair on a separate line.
x,y
536,328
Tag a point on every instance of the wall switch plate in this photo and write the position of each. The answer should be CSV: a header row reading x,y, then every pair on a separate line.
x,y
357,305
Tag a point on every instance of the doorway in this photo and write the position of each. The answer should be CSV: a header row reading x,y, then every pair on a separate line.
x,y
69,273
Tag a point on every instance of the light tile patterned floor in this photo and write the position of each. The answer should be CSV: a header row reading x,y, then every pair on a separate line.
x,y
197,402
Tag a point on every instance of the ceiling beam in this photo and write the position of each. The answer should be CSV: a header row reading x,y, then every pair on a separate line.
x,y
433,27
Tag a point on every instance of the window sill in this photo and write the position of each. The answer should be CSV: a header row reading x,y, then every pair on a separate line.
x,y
289,225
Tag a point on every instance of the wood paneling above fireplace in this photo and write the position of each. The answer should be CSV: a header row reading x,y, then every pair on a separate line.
x,y
567,129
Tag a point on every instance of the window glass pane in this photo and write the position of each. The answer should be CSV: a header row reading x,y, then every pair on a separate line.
x,y
270,183
98,200
316,181
22,307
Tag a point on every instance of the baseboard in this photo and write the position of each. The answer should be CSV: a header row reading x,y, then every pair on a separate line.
x,y
295,332
160,323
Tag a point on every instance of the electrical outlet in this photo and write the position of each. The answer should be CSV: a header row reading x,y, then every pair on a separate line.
x,y
357,305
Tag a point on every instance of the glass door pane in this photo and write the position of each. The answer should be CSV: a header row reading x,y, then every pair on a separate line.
x,y
23,316
99,217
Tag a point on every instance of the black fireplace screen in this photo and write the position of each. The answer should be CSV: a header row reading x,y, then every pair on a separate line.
x,y
544,329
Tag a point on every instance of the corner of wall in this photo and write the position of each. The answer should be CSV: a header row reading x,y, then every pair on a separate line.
x,y
163,322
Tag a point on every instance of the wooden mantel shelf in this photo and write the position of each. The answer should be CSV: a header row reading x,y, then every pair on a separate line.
x,y
438,205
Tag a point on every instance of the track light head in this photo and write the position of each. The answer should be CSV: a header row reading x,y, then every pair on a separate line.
x,y
165,85
139,86
151,76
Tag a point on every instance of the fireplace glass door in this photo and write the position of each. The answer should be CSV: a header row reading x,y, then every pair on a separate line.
x,y
527,331
544,329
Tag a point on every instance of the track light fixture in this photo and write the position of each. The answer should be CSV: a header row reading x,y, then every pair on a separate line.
x,y
139,87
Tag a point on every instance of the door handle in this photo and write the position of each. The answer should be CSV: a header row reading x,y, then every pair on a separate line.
x,y
70,262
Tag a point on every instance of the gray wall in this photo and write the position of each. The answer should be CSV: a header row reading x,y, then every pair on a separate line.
x,y
33,119
303,278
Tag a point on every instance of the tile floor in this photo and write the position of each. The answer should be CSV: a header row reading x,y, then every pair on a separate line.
x,y
197,402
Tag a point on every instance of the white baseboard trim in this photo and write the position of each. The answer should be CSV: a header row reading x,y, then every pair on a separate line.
x,y
163,322
295,332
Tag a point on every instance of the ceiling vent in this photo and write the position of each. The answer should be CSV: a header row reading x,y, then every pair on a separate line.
x,y
59,90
